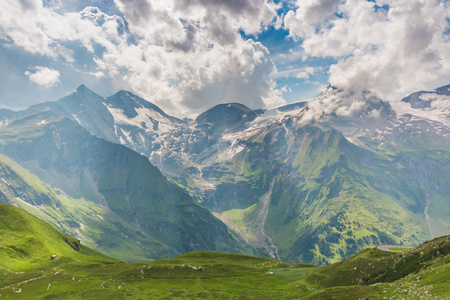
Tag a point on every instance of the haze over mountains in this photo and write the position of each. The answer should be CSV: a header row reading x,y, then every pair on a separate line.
x,y
310,182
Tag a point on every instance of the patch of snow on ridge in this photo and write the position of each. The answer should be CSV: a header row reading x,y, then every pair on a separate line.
x,y
146,119
375,114
75,116
439,110
127,135
142,138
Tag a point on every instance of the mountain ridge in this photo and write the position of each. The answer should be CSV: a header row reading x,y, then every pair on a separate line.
x,y
114,177
274,176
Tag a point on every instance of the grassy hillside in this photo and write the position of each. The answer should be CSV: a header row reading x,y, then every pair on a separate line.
x,y
423,272
341,199
27,242
96,226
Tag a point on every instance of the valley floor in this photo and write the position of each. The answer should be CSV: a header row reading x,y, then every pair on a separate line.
x,y
420,273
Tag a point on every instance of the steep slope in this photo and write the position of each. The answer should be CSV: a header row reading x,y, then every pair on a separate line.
x,y
94,225
148,208
87,108
27,242
430,100
121,118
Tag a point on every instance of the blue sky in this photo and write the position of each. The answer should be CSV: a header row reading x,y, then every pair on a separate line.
x,y
189,55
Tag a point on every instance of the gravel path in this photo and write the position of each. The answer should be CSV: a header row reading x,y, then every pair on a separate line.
x,y
386,248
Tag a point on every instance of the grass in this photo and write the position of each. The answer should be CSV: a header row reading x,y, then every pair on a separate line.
x,y
26,242
423,272
291,274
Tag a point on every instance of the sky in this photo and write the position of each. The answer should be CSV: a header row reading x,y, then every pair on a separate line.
x,y
188,55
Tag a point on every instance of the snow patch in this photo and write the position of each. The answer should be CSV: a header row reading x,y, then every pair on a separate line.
x,y
75,116
146,119
127,135
439,111
375,114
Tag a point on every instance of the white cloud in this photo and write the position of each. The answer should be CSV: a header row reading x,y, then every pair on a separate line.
x,y
300,73
193,54
308,71
43,76
309,15
333,102
391,51
186,55
47,33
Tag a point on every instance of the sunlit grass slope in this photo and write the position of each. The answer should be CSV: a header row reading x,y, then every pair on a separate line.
x,y
27,242
28,272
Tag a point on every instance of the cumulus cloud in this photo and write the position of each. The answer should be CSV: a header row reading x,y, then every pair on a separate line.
x,y
305,74
392,47
43,76
48,33
184,55
193,54
309,15
300,73
333,102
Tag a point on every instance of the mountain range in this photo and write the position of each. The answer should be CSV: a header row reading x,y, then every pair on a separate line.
x,y
308,182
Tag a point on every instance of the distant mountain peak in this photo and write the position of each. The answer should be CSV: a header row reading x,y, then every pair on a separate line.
x,y
86,93
443,90
433,105
82,88
227,115
227,109
334,102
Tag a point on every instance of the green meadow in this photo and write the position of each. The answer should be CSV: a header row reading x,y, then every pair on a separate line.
x,y
28,272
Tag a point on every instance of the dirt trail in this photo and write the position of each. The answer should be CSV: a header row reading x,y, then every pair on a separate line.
x,y
22,282
387,248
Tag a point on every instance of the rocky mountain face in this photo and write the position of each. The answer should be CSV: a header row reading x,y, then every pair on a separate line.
x,y
111,180
309,182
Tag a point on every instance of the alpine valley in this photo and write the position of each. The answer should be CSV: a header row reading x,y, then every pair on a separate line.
x,y
312,182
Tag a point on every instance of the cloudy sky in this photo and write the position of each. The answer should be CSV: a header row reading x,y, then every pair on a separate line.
x,y
189,55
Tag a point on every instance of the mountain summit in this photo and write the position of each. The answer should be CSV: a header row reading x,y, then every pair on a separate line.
x,y
226,117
